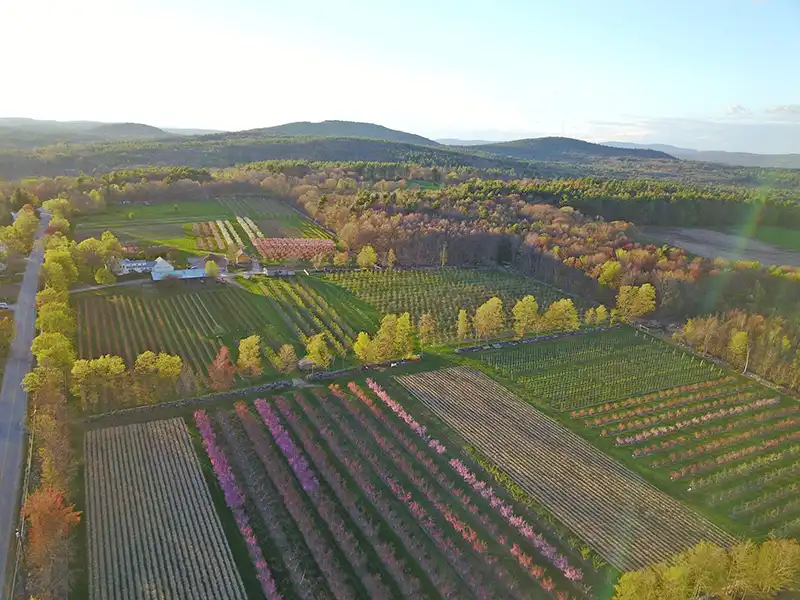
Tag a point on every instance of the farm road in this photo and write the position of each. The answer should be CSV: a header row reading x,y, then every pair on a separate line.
x,y
13,400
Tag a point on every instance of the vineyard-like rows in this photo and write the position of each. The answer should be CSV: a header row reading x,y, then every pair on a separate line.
x,y
630,523
275,218
734,444
345,496
441,292
304,308
152,528
189,324
275,249
578,371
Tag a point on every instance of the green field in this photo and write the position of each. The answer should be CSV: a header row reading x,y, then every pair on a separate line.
x,y
778,236
577,371
193,320
441,292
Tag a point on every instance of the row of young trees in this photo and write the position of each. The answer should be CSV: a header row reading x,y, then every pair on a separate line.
x,y
747,571
768,346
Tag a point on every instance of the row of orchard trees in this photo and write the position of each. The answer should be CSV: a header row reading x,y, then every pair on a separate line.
x,y
747,571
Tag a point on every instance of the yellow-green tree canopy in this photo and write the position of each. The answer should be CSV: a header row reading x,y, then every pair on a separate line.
x,y
489,318
526,316
561,316
362,347
56,317
212,269
249,361
287,359
636,301
426,328
384,344
53,350
463,326
404,336
104,276
317,351
366,257
745,571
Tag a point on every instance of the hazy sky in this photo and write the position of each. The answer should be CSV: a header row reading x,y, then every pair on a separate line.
x,y
707,74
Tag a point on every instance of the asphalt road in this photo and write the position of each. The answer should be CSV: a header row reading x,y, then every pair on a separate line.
x,y
14,401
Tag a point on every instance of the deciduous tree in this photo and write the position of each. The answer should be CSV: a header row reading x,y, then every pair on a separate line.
x,y
526,316
53,350
489,318
104,276
212,269
404,336
426,328
367,257
561,316
287,359
384,346
636,301
463,325
221,372
249,360
362,347
318,352
391,259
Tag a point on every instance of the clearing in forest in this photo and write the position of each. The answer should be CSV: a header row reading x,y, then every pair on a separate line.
x,y
152,528
625,519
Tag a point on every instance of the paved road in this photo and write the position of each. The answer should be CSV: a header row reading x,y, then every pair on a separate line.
x,y
14,401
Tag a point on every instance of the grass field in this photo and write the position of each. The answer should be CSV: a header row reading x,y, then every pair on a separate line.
x,y
346,501
778,236
630,523
441,292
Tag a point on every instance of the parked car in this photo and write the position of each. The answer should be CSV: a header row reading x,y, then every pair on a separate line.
x,y
3,305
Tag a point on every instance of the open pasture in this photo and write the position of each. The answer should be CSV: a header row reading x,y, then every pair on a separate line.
x,y
346,498
577,371
152,528
629,522
441,292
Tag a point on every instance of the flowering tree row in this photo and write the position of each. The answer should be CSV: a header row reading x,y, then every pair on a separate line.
x,y
704,418
281,248
744,468
296,460
646,398
234,498
446,482
727,395
777,414
250,228
486,492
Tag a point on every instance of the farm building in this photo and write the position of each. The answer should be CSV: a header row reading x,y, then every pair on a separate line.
x,y
165,270
127,266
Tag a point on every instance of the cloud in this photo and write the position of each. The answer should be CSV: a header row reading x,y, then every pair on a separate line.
x,y
787,112
737,110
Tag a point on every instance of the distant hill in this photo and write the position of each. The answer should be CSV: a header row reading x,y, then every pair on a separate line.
x,y
458,142
566,150
739,159
127,131
339,129
191,131
20,133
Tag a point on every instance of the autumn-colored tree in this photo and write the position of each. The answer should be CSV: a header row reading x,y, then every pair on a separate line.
x,y
49,294
739,348
463,325
636,301
590,316
601,315
51,434
222,371
426,328
59,268
391,259
321,260
341,259
287,359
103,378
212,269
561,316
526,316
404,336
610,273
104,276
6,333
50,521
317,351
367,257
489,319
45,387
249,360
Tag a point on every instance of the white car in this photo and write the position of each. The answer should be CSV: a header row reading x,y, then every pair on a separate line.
x,y
3,305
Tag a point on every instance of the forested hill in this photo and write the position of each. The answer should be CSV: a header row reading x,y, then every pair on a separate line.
x,y
336,129
567,150
218,151
25,134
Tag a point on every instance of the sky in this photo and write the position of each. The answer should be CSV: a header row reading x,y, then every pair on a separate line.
x,y
703,74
